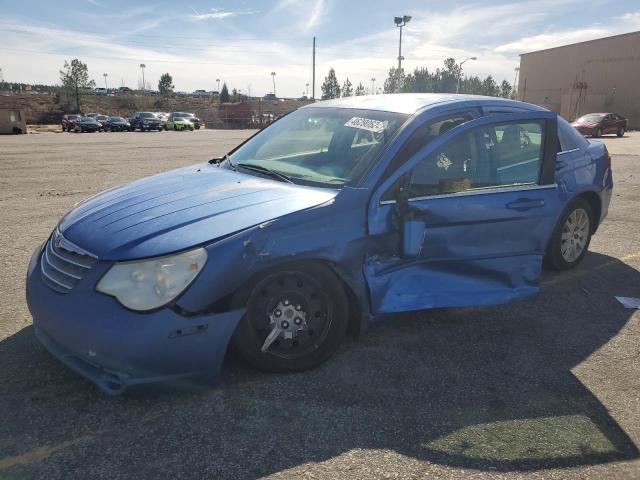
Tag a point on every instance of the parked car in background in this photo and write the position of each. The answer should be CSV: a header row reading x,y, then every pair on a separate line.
x,y
200,93
92,114
123,90
191,117
337,215
598,124
145,121
68,121
101,118
87,124
162,116
116,124
177,122
269,96
100,91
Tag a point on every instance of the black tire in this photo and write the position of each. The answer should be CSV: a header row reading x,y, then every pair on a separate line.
x,y
620,132
598,133
175,127
63,128
165,128
554,259
312,289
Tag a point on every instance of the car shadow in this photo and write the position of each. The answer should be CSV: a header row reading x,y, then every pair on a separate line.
x,y
493,388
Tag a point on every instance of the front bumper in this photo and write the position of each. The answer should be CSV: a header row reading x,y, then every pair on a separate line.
x,y
115,347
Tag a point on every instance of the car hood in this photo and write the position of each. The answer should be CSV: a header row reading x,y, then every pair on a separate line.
x,y
180,209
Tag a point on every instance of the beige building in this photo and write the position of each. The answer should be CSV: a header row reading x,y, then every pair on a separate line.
x,y
13,121
596,76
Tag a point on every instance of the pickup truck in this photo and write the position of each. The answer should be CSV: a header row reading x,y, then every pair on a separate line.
x,y
145,121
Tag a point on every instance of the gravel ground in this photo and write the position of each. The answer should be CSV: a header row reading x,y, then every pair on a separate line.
x,y
544,388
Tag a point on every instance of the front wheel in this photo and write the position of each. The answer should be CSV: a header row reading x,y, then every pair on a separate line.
x,y
571,237
295,319
620,132
598,133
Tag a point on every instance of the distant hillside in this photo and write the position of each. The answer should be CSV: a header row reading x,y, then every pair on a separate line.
x,y
47,109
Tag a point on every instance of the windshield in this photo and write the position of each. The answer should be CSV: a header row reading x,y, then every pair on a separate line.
x,y
147,115
321,146
592,118
101,117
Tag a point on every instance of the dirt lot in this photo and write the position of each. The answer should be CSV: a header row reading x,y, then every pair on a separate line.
x,y
545,388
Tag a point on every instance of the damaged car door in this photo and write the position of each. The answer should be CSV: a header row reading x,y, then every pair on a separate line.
x,y
466,220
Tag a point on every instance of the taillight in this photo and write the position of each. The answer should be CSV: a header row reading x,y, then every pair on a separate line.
x,y
607,157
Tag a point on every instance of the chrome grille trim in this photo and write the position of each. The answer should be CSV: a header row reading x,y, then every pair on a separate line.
x,y
63,264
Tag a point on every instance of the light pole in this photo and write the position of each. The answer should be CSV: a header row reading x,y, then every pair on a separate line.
x,y
400,22
515,80
105,75
142,67
307,94
218,82
460,74
273,76
373,86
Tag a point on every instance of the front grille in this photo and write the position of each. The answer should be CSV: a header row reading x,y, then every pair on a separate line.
x,y
63,264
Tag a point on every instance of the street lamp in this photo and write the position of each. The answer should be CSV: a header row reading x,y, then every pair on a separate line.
x,y
400,22
307,85
373,86
142,67
218,81
273,76
460,74
105,75
515,80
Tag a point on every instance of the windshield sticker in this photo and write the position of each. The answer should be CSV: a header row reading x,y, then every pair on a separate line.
x,y
375,126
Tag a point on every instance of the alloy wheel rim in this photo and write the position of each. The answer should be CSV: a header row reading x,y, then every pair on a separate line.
x,y
575,234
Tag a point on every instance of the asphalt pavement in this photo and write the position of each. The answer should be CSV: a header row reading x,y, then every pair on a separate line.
x,y
539,389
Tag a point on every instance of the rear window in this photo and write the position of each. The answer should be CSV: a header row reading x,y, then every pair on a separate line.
x,y
569,137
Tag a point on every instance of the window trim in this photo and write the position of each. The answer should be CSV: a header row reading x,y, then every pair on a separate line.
x,y
479,191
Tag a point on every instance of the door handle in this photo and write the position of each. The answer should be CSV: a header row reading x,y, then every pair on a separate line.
x,y
523,204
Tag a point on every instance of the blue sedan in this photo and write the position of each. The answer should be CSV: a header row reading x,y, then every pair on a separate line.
x,y
333,216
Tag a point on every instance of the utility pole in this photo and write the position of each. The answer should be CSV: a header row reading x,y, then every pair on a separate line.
x,y
400,22
105,75
273,75
373,86
307,85
142,67
218,81
313,80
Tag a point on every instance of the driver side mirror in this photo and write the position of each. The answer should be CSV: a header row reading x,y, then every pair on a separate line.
x,y
412,223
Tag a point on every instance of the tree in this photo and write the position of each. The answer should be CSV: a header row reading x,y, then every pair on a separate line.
x,y
396,77
347,88
490,87
224,93
505,89
75,80
330,87
165,85
360,90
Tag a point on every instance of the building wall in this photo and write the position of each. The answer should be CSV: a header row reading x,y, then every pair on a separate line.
x,y
597,76
11,119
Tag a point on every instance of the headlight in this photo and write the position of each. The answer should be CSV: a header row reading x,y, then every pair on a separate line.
x,y
149,284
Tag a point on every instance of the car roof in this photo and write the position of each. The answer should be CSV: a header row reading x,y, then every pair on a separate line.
x,y
409,103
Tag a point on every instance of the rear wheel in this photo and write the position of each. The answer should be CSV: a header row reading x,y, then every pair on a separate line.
x,y
175,127
295,320
620,132
571,237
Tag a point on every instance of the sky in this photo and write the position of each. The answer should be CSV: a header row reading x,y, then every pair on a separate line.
x,y
241,42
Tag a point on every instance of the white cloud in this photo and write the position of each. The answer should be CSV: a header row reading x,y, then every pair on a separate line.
x,y
549,40
632,18
304,15
219,14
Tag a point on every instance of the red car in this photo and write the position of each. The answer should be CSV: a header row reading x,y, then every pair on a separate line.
x,y
69,122
598,124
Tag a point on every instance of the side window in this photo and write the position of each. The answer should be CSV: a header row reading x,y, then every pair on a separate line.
x,y
420,138
490,156
569,138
